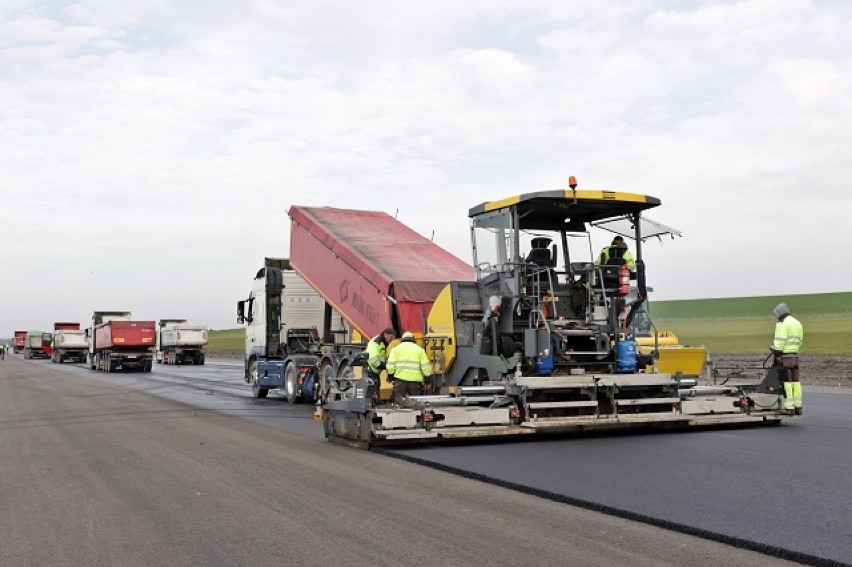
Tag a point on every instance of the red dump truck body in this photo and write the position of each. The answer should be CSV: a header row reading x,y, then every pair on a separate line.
x,y
375,271
124,334
65,326
18,344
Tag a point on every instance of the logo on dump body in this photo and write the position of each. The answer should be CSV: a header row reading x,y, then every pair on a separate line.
x,y
344,291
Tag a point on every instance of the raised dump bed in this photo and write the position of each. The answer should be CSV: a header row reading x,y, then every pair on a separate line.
x,y
375,271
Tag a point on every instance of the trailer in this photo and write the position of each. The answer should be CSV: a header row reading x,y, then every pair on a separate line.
x,y
70,343
18,341
38,344
180,343
117,342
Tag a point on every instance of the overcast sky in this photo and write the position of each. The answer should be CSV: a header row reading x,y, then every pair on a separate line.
x,y
149,150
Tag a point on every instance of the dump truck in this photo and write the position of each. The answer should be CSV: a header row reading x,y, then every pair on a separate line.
x,y
179,342
536,342
284,346
18,341
70,343
38,344
117,342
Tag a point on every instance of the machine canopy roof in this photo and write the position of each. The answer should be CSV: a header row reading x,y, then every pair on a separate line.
x,y
561,210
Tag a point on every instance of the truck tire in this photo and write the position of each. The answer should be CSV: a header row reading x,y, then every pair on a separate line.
x,y
325,377
256,390
147,367
200,359
291,383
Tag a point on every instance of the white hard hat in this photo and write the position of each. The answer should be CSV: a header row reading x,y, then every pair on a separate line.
x,y
408,335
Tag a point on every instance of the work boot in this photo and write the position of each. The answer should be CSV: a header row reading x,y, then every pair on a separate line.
x,y
797,411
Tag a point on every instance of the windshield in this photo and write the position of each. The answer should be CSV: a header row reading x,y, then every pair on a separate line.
x,y
493,241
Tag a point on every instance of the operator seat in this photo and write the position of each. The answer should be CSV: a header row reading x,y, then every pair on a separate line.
x,y
610,272
543,259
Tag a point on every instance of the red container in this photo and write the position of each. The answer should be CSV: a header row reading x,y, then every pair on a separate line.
x,y
124,334
19,338
66,326
367,264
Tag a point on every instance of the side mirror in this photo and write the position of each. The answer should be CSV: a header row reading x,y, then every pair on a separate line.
x,y
241,318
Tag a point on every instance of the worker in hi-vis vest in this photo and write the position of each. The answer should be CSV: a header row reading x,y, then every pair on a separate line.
x,y
789,334
407,368
377,359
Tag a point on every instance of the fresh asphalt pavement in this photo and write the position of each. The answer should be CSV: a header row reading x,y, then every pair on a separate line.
x,y
788,487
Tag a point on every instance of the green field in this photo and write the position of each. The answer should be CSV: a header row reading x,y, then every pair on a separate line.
x,y
227,339
725,325
746,324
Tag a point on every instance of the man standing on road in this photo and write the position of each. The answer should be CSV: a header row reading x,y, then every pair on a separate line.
x,y
409,366
377,358
789,334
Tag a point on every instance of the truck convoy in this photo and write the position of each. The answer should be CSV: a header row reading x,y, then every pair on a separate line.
x,y
534,339
116,341
180,343
18,341
38,344
69,343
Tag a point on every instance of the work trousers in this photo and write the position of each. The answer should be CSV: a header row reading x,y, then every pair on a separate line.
x,y
402,388
788,371
375,386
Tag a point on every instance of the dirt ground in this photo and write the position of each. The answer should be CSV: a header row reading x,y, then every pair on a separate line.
x,y
823,371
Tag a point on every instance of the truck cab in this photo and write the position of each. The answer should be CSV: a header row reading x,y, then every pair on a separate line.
x,y
292,334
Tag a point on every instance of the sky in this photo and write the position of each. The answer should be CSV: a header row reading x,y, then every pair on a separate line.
x,y
149,150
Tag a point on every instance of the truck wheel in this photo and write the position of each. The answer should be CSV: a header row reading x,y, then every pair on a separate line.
x,y
325,377
147,367
256,390
200,359
291,383
345,371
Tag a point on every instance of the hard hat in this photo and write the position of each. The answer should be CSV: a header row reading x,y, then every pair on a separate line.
x,y
408,335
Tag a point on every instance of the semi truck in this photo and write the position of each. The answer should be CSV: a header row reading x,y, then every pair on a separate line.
x,y
180,343
38,344
69,343
535,340
291,332
18,341
117,342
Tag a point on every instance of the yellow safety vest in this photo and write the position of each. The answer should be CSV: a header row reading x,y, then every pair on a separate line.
x,y
789,334
408,362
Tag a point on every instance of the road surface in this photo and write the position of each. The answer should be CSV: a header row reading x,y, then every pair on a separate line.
x,y
183,454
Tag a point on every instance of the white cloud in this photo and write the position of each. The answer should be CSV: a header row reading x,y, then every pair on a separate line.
x,y
168,140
